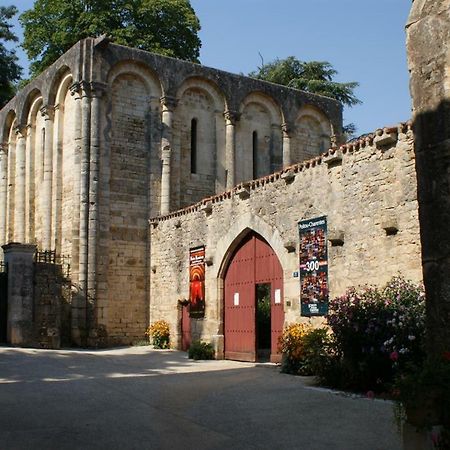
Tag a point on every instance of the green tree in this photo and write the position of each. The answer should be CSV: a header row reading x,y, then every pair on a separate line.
x,y
314,76
10,71
167,27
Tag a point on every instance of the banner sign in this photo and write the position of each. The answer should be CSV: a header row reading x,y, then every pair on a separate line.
x,y
197,282
313,267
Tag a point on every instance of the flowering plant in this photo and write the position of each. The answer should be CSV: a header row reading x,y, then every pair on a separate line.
x,y
304,348
159,333
377,332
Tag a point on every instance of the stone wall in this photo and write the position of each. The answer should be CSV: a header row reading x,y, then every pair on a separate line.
x,y
367,190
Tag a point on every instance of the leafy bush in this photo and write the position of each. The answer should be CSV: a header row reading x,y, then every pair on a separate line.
x,y
160,334
305,349
374,328
201,350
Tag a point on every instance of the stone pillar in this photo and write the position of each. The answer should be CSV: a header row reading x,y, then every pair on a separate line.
x,y
428,46
19,201
287,132
19,259
97,91
3,190
168,104
79,306
29,187
231,118
428,50
48,114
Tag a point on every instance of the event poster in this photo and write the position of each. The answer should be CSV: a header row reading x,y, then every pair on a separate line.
x,y
197,282
313,267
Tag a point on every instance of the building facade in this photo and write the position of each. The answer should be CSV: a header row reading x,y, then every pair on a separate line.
x,y
109,137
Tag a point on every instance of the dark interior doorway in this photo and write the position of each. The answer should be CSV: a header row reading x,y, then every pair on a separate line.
x,y
263,331
3,306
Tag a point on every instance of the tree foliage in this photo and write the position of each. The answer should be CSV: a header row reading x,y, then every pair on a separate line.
x,y
9,69
314,76
167,27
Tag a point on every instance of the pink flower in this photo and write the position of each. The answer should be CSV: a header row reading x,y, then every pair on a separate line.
x,y
370,395
394,356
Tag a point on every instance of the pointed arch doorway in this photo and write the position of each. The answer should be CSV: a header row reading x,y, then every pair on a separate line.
x,y
253,302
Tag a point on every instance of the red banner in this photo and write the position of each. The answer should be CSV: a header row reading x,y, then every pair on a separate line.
x,y
197,282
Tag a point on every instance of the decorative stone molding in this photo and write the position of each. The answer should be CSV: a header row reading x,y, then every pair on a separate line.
x,y
385,137
169,103
20,130
290,246
243,191
333,159
48,112
231,117
288,176
287,129
207,208
390,225
97,88
336,237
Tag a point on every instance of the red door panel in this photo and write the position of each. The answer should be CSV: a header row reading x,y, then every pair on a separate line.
x,y
185,328
252,263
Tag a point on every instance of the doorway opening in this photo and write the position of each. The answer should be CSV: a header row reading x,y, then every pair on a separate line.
x,y
263,329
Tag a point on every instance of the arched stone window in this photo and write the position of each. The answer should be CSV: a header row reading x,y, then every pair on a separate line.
x,y
255,154
194,146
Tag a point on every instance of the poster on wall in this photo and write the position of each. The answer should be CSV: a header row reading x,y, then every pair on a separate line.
x,y
197,282
313,267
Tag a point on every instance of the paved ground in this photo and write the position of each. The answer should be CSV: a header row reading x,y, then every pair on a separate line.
x,y
138,398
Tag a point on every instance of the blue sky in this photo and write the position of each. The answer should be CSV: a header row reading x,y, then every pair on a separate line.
x,y
363,40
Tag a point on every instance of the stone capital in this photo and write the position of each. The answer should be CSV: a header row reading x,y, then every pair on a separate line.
x,y
231,117
98,89
48,112
287,129
168,103
75,89
20,130
3,148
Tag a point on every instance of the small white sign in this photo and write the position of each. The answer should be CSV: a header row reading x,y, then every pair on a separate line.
x,y
277,295
236,299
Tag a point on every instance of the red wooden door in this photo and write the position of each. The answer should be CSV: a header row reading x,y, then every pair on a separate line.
x,y
268,270
185,328
253,262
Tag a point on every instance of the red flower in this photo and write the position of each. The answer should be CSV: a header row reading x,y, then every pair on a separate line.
x,y
394,356
446,355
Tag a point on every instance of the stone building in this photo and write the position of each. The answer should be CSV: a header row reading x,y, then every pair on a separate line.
x,y
109,137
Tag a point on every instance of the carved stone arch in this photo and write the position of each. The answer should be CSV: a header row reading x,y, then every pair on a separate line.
x,y
211,89
318,116
8,125
34,105
54,92
243,225
270,105
144,73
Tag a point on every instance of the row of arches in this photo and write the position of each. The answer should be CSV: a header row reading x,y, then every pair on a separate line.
x,y
40,160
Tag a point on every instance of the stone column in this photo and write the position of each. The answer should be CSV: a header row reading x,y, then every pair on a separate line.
x,y
48,114
231,118
287,133
3,190
97,91
29,187
20,326
168,104
19,201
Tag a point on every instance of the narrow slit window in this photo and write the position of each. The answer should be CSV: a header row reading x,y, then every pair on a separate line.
x,y
194,146
255,154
